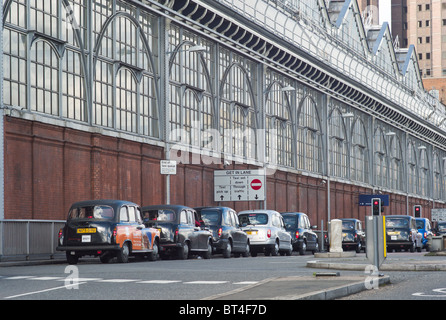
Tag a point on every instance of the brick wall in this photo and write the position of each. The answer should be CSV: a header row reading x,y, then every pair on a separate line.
x,y
47,168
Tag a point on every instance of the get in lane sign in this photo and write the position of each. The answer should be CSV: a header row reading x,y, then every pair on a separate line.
x,y
239,185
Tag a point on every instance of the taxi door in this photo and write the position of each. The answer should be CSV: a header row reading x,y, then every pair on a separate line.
x,y
130,227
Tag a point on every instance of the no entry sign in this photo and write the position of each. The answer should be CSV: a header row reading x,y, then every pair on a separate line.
x,y
256,184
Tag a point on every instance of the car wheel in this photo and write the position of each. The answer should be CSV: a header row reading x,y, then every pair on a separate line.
x,y
412,247
183,253
358,247
72,258
247,250
207,254
303,248
227,250
316,249
123,254
275,249
153,256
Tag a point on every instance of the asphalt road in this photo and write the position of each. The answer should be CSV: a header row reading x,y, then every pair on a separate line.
x,y
193,279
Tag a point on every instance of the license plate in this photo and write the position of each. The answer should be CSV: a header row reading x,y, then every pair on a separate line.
x,y
251,232
393,237
86,238
86,230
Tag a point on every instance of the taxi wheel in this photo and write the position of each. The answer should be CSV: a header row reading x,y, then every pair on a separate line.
x,y
275,249
208,254
153,256
123,254
228,250
183,253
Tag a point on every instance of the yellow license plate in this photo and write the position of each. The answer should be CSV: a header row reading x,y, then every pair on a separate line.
x,y
251,232
86,230
393,233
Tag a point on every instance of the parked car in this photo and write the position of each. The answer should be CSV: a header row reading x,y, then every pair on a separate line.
x,y
228,236
108,229
401,233
181,231
425,230
353,236
266,232
440,228
303,237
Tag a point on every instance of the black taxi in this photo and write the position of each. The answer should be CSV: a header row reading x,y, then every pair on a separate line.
x,y
182,233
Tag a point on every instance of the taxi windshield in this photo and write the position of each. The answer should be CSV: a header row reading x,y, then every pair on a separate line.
x,y
397,223
91,212
253,218
210,217
159,215
348,225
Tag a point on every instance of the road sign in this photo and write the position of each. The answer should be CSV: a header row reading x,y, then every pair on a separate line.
x,y
366,199
239,185
168,167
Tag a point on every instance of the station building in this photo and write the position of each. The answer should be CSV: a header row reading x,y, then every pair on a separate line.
x,y
97,92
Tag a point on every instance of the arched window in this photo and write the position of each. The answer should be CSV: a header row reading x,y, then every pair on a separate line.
x,y
396,168
359,159
437,177
424,172
192,110
44,78
126,101
380,158
279,127
124,95
337,145
309,137
412,169
237,105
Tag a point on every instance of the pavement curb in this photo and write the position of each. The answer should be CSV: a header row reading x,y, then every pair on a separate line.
x,y
340,291
384,267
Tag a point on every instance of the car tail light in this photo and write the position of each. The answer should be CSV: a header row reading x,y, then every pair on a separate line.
x,y
268,233
60,235
356,237
175,237
425,235
114,233
297,234
220,232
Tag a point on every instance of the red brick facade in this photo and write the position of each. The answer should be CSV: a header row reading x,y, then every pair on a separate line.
x,y
49,167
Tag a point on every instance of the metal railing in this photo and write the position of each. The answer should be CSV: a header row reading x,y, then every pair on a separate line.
x,y
21,239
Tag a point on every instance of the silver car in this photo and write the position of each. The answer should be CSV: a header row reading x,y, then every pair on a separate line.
x,y
266,232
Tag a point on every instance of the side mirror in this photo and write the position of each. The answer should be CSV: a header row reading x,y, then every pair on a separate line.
x,y
314,227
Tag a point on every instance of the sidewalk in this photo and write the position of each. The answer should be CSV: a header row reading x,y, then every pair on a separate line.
x,y
334,284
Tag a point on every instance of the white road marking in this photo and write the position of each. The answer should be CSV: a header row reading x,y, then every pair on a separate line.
x,y
160,281
118,280
206,282
46,290
85,280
